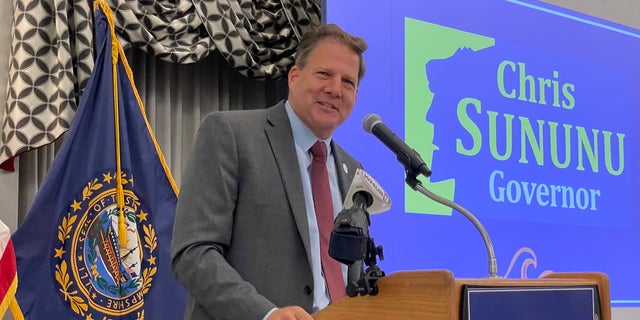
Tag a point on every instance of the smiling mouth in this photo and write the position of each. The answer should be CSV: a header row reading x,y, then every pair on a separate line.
x,y
327,105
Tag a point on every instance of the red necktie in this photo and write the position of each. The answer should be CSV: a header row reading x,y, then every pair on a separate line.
x,y
324,214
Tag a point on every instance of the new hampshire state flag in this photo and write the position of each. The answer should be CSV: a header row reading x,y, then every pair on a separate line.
x,y
95,243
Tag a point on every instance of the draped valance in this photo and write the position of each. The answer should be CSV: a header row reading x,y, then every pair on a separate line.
x,y
51,56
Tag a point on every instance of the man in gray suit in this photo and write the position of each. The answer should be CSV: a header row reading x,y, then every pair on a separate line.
x,y
246,241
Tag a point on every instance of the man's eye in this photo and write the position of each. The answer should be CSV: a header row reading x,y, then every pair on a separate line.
x,y
349,84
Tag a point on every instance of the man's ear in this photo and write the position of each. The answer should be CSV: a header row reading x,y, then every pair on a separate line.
x,y
294,73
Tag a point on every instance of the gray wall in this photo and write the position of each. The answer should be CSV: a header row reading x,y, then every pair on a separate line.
x,y
625,12
8,181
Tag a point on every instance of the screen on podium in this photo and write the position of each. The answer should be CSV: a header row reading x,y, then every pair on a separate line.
x,y
560,303
527,114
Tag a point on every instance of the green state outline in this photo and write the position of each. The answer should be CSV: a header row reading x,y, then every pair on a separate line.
x,y
426,41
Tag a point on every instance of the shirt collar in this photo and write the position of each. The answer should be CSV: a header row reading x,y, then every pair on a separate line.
x,y
302,135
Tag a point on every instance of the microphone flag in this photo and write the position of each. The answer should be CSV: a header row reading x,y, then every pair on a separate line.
x,y
362,181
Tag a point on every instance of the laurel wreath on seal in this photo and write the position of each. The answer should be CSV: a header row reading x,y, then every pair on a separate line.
x,y
90,188
77,302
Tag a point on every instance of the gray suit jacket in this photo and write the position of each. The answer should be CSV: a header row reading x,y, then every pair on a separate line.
x,y
241,238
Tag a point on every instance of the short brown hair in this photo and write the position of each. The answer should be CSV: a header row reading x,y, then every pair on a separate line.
x,y
334,32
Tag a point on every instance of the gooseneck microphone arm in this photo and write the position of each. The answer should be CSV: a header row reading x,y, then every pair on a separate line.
x,y
493,263
414,165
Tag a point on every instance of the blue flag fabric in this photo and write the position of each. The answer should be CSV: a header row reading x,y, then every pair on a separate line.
x,y
71,260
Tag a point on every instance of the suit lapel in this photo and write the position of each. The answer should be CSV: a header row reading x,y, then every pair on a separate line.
x,y
280,136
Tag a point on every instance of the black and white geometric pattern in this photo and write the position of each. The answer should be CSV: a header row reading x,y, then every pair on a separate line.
x,y
51,59
257,37
52,51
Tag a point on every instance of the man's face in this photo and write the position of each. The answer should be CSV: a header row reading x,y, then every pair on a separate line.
x,y
324,92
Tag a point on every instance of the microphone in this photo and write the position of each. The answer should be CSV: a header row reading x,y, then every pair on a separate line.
x,y
414,165
409,157
350,241
350,235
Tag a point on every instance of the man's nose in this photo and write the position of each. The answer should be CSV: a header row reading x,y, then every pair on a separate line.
x,y
334,87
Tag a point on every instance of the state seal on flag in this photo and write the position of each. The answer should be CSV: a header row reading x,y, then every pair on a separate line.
x,y
96,275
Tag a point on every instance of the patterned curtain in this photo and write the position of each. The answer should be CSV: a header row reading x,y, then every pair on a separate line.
x,y
52,55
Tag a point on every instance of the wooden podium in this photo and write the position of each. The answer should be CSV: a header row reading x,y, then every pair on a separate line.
x,y
437,295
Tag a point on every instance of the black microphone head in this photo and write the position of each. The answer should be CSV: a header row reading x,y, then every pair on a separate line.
x,y
370,121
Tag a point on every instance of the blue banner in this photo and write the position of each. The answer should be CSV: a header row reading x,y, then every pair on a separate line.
x,y
525,112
